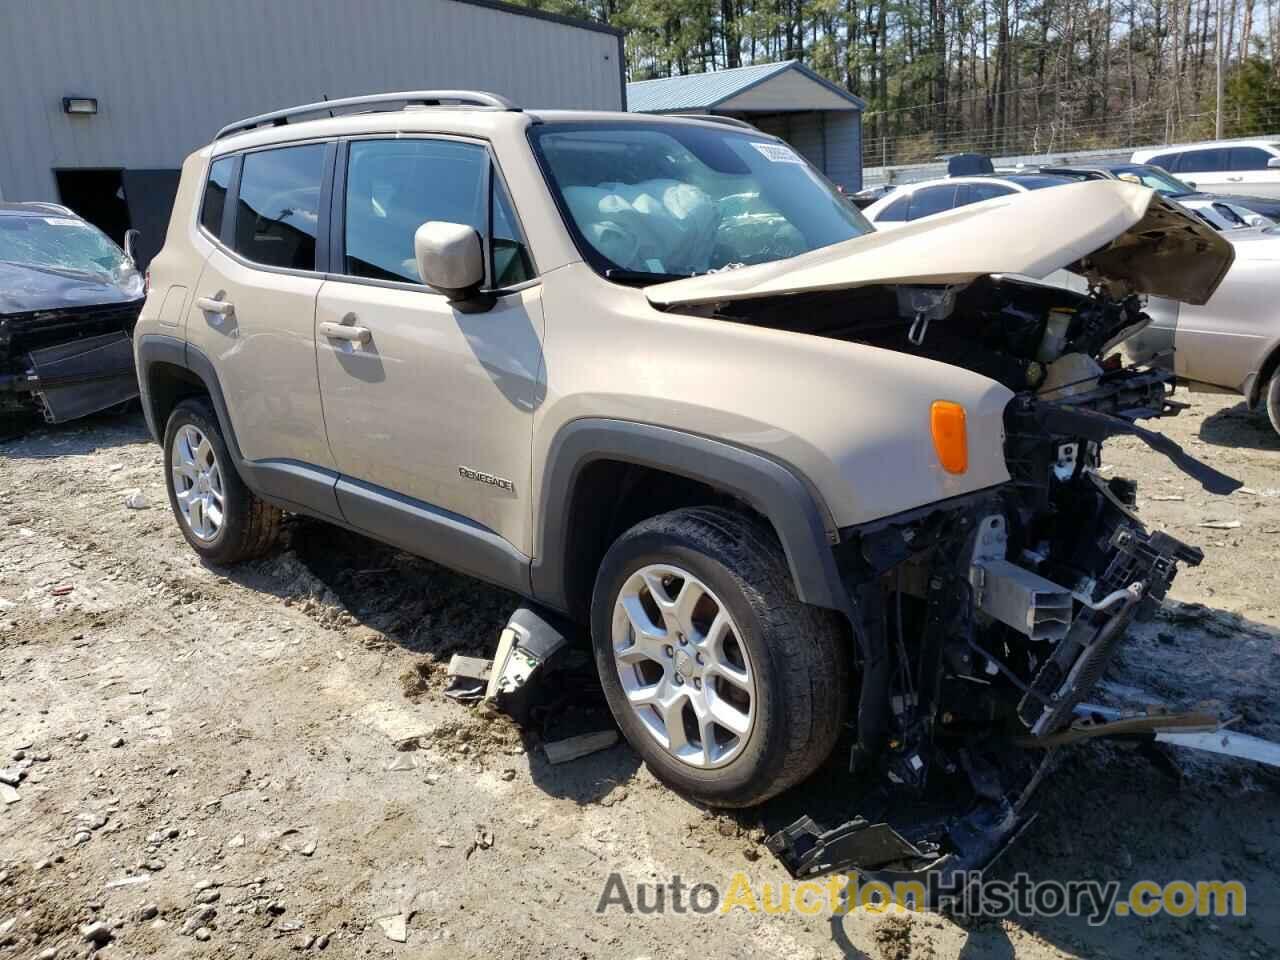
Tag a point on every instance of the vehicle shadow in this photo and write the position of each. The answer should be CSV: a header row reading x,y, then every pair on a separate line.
x,y
32,439
1238,426
434,613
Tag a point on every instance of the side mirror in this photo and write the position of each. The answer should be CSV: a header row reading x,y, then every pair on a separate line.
x,y
1273,163
1191,184
130,242
450,259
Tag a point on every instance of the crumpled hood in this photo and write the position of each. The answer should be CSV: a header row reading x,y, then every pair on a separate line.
x,y
26,289
1120,234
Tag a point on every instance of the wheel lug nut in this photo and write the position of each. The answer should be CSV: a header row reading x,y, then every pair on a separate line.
x,y
699,658
682,638
679,680
697,684
668,651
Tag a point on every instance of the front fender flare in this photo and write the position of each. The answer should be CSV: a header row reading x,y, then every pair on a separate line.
x,y
771,488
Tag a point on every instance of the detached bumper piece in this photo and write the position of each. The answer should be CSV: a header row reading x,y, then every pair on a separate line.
x,y
942,854
76,379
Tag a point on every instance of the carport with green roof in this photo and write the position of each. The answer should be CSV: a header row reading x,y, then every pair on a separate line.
x,y
787,99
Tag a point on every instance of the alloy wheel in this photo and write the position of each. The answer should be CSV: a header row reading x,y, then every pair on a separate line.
x,y
683,666
197,482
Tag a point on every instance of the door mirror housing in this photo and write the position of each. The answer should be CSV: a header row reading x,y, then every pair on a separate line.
x,y
1273,163
450,259
131,242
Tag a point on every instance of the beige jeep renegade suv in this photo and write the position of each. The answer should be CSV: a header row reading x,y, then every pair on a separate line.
x,y
802,480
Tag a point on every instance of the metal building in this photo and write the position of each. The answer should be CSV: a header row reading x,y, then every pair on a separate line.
x,y
102,100
787,99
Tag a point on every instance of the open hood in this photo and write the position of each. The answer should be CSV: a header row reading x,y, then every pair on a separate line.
x,y
1117,234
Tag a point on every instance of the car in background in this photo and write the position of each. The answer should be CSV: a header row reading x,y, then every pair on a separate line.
x,y
1222,215
912,201
69,299
1222,166
869,195
1247,207
1231,343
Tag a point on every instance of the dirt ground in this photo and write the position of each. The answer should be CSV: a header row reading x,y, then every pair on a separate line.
x,y
258,761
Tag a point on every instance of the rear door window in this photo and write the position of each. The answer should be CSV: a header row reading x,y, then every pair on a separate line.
x,y
987,191
1203,161
1248,158
932,200
215,195
278,209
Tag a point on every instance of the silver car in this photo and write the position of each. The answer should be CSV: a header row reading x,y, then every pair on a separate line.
x,y
1232,342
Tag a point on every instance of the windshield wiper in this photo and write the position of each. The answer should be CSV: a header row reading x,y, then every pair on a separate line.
x,y
619,275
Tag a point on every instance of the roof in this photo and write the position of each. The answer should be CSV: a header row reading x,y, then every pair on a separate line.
x,y
545,15
1206,145
705,91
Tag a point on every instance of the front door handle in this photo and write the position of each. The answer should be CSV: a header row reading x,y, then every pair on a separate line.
x,y
1235,179
223,308
345,331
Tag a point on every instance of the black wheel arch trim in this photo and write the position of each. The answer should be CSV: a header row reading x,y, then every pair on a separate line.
x,y
774,490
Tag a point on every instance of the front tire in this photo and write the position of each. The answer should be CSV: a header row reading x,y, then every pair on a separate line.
x,y
729,687
1271,400
220,517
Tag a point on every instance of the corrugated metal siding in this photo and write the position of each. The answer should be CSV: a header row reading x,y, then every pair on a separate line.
x,y
844,149
169,73
830,140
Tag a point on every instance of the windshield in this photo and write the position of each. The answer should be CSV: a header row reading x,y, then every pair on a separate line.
x,y
654,201
64,244
1163,183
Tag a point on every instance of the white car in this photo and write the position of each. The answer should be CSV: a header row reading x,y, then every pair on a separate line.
x,y
1224,166
913,201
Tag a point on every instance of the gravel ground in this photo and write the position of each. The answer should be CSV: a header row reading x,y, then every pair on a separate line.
x,y
257,761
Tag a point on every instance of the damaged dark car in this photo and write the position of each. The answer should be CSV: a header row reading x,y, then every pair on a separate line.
x,y
69,299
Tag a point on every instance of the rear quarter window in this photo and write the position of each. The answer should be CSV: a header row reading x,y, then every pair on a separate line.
x,y
215,195
278,207
897,210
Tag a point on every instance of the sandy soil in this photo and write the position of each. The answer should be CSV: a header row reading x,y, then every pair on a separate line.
x,y
258,761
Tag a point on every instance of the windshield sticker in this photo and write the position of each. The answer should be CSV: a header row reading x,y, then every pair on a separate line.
x,y
777,152
61,222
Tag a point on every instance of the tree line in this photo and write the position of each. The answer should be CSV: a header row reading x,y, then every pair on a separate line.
x,y
999,76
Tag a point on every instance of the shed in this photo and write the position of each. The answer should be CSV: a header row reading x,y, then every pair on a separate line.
x,y
103,100
787,99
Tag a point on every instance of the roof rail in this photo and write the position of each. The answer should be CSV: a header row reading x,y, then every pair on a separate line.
x,y
434,98
716,118
46,205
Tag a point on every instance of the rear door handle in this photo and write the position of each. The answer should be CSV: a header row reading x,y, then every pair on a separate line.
x,y
223,308
345,331
1235,179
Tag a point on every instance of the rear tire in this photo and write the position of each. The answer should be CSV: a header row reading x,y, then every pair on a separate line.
x,y
775,669
222,519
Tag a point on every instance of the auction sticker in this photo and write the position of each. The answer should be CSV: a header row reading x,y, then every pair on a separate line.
x,y
777,152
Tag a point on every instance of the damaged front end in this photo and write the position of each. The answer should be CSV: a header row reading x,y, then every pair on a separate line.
x,y
983,622
61,364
